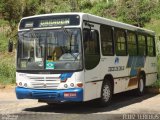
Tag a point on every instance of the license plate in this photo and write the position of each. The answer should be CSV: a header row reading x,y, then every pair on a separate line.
x,y
70,94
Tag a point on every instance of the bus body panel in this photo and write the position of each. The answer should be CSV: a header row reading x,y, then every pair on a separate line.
x,y
121,72
150,70
43,86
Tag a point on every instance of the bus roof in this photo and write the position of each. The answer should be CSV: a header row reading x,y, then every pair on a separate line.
x,y
100,20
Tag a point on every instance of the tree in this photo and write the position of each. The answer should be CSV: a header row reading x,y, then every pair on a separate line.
x,y
74,5
30,7
11,11
136,12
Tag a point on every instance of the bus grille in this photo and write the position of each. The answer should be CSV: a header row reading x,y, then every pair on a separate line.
x,y
44,82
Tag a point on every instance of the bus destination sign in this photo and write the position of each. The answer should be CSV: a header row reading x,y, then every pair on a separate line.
x,y
50,21
54,22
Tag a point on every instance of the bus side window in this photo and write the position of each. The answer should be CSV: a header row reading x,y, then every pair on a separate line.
x,y
106,40
120,42
141,45
150,46
91,49
132,44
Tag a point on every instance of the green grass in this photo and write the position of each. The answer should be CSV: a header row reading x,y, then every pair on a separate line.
x,y
3,42
3,37
3,22
156,84
7,68
7,60
154,25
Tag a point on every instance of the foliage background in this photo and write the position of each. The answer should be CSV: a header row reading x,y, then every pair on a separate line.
x,y
143,13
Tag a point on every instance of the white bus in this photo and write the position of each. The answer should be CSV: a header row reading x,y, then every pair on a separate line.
x,y
76,57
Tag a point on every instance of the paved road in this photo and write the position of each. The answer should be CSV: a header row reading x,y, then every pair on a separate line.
x,y
123,104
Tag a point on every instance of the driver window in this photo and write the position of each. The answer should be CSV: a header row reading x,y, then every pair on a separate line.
x,y
91,49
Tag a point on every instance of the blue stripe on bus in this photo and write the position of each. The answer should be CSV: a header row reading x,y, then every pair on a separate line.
x,y
135,63
49,95
65,76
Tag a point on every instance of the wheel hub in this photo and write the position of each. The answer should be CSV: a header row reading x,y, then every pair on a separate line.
x,y
106,93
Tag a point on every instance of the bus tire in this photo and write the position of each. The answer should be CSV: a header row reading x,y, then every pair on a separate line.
x,y
106,94
141,86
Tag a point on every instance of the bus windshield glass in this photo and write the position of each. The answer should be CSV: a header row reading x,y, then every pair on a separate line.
x,y
56,49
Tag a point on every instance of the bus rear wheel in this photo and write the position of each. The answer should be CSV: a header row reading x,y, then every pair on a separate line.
x,y
106,94
141,86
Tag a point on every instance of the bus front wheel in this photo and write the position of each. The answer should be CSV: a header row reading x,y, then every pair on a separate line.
x,y
106,93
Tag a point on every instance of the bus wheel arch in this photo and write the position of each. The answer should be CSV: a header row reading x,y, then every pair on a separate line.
x,y
109,78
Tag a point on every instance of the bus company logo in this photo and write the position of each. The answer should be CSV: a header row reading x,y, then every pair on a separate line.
x,y
117,68
116,60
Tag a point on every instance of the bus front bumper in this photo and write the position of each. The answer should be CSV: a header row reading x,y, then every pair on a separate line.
x,y
68,95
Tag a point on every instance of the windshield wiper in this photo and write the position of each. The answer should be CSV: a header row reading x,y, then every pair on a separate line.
x,y
70,42
33,34
69,36
30,31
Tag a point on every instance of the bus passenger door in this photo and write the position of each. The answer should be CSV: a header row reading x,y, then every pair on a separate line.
x,y
91,60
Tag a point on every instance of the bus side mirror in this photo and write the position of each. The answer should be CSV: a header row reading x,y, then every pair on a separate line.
x,y
10,46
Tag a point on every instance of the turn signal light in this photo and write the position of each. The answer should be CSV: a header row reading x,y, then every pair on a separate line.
x,y
80,84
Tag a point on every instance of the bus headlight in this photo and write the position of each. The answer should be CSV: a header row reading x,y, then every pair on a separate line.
x,y
80,84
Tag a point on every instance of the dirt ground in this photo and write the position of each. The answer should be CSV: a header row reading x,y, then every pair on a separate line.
x,y
122,104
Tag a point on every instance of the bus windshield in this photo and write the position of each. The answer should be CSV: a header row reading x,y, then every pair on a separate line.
x,y
56,49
